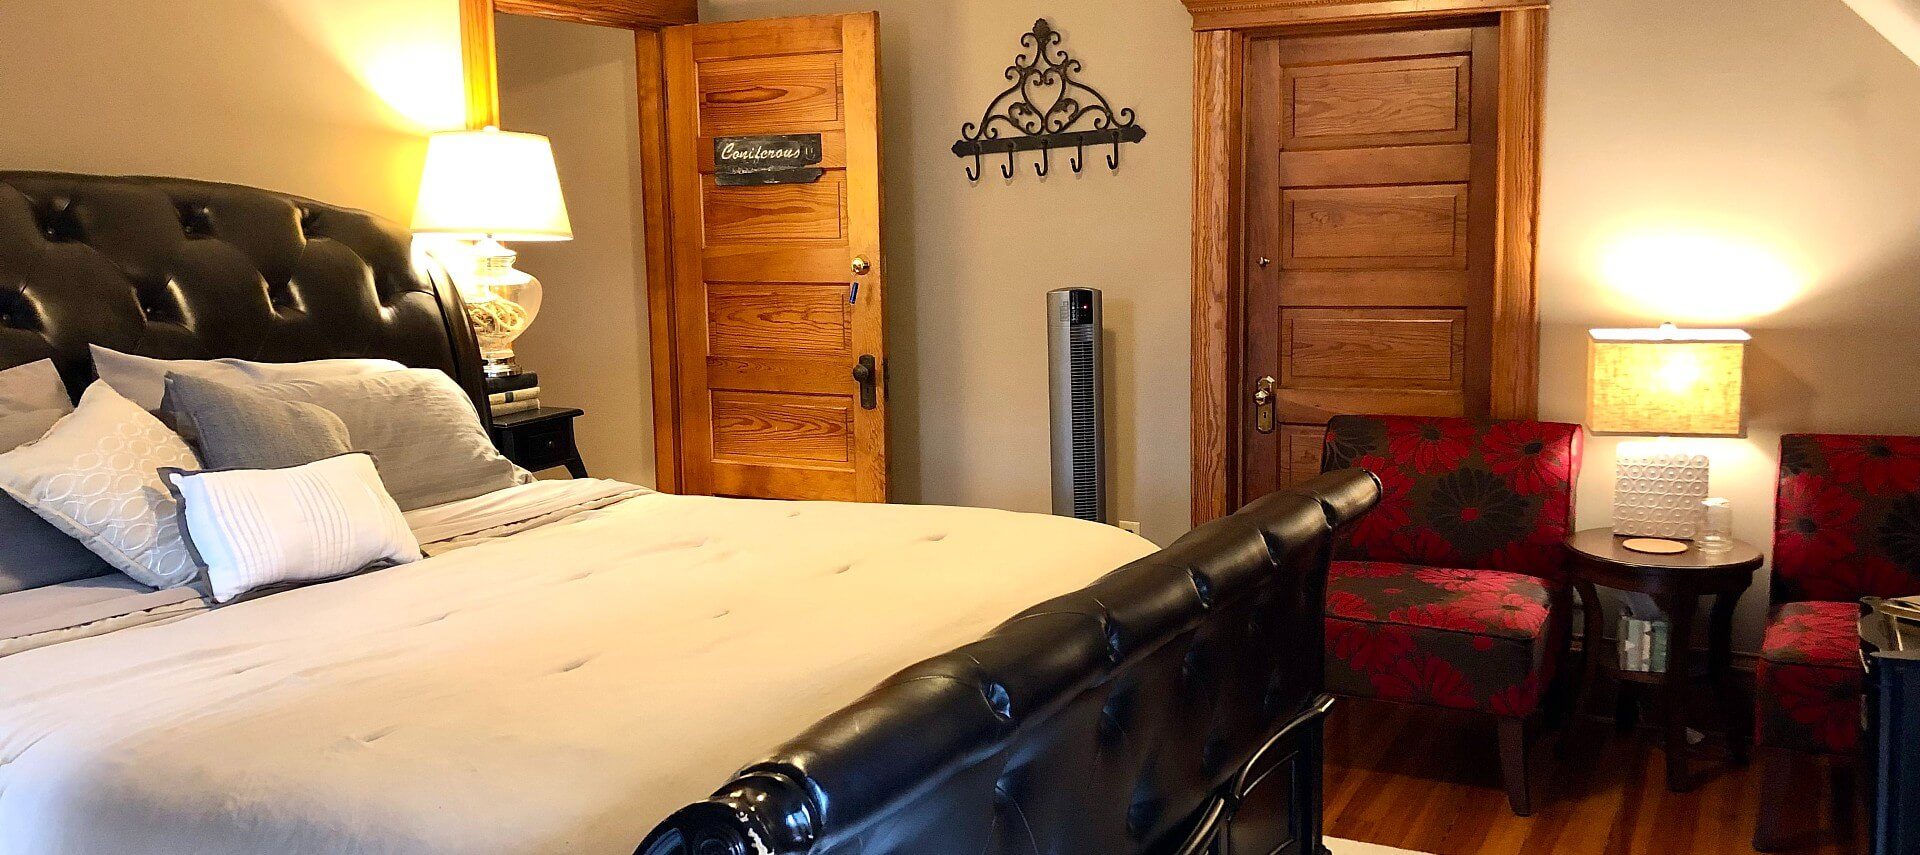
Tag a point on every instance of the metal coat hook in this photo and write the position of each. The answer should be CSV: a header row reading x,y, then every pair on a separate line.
x,y
1045,108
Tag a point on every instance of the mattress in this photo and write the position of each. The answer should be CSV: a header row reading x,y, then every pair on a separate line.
x,y
560,682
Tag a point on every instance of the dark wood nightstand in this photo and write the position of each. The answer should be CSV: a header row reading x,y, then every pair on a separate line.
x,y
1676,583
540,439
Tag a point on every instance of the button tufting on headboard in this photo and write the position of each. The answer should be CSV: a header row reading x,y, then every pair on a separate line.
x,y
178,269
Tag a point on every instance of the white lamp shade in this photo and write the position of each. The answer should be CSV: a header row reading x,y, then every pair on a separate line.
x,y
491,184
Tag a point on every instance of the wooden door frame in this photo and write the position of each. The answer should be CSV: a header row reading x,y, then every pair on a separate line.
x,y
645,18
1222,29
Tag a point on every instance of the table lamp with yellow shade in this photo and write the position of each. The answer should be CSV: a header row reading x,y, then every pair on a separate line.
x,y
1664,382
485,187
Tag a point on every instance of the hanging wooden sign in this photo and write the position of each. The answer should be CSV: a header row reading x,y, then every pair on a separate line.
x,y
780,159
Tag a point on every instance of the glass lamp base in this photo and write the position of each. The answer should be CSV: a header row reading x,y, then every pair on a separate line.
x,y
502,364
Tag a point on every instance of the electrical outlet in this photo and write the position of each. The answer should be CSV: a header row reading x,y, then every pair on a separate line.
x,y
1129,525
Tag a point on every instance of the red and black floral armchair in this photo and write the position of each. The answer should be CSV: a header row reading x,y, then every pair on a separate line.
x,y
1452,592
1846,526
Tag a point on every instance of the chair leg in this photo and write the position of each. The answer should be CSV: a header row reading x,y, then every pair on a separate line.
x,y
1776,784
1513,764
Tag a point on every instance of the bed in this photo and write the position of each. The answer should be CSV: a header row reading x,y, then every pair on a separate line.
x,y
589,666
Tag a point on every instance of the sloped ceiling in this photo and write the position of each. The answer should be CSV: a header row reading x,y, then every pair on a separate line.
x,y
1897,20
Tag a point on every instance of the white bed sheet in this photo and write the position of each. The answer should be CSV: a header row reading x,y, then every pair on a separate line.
x,y
557,690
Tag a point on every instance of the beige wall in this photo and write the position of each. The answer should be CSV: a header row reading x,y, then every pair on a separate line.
x,y
1735,163
324,98
1743,164
1726,162
969,265
575,84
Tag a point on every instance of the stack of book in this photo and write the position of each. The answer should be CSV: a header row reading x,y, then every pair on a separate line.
x,y
1643,645
514,393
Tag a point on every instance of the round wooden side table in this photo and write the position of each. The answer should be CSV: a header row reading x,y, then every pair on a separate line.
x,y
1676,583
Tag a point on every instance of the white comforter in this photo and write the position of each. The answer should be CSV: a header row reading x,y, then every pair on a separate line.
x,y
561,689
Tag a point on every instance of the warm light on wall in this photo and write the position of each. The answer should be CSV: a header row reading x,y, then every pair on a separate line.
x,y
406,54
1699,276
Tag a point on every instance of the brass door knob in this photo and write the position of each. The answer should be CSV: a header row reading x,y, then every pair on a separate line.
x,y
861,266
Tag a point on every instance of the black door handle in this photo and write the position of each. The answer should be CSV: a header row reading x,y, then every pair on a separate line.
x,y
866,376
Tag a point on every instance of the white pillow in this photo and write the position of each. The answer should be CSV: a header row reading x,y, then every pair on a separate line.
x,y
96,476
32,398
252,528
142,379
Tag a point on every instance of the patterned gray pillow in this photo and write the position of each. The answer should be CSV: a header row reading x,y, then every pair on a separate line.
x,y
420,427
236,428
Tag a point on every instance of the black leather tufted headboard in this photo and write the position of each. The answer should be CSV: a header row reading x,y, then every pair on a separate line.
x,y
180,269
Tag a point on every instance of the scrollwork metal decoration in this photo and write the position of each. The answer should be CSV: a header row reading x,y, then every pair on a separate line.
x,y
1046,108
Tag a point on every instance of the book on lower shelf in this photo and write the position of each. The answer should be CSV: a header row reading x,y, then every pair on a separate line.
x,y
1643,645
509,408
528,394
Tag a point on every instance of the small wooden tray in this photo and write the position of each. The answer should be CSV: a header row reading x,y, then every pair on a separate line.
x,y
1654,545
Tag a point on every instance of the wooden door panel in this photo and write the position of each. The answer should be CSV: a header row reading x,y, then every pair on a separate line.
x,y
1372,348
790,212
777,428
1380,102
1368,278
759,319
1300,447
1425,164
770,95
770,326
1401,227
1336,288
1315,406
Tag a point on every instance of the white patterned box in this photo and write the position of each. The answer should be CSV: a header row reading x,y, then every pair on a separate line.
x,y
1659,495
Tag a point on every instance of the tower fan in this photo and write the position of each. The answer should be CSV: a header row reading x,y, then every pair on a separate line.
x,y
1078,388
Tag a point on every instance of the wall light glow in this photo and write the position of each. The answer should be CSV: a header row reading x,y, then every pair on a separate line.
x,y
407,55
1700,276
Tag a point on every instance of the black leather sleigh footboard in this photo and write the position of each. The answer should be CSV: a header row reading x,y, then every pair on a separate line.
x,y
1126,717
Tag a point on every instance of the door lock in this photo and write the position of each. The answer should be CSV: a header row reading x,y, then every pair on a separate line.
x,y
1263,405
868,377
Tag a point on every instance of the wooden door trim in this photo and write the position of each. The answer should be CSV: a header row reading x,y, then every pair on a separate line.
x,y
1223,28
481,70
1260,14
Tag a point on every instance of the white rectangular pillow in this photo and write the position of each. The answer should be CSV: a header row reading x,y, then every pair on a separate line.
x,y
142,379
254,528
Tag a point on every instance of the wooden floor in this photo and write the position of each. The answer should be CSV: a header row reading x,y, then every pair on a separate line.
x,y
1429,781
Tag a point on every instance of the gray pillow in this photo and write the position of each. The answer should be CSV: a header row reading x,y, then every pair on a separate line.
x,y
32,398
237,428
35,554
420,427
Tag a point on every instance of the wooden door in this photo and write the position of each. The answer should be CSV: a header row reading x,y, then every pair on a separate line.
x,y
778,289
1370,208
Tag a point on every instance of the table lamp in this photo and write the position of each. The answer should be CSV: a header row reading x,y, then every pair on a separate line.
x,y
483,187
1663,382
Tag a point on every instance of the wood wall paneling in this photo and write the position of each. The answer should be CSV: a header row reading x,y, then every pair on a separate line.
x,y
628,14
1246,15
1217,150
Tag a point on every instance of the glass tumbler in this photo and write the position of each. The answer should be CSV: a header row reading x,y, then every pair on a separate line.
x,y
1716,528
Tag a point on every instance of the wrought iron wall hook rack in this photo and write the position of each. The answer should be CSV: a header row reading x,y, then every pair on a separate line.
x,y
1046,108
